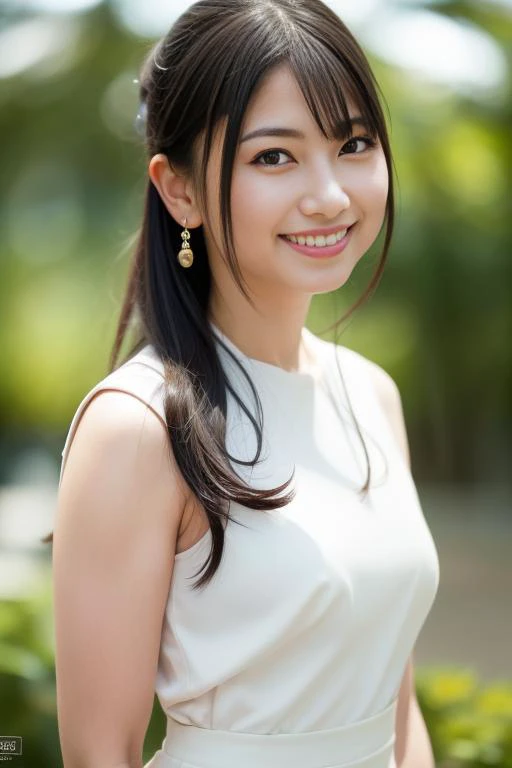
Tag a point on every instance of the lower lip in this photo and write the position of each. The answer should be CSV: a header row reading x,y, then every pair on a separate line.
x,y
319,253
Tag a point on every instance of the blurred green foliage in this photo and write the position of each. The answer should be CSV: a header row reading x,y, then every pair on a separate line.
x,y
73,175
469,724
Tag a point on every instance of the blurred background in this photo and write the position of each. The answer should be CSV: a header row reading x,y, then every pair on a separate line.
x,y
71,186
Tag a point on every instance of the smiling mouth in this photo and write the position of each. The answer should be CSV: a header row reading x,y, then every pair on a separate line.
x,y
318,241
320,246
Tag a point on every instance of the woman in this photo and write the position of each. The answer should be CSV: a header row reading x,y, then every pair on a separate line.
x,y
237,526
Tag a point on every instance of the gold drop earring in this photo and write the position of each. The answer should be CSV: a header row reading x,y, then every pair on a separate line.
x,y
186,255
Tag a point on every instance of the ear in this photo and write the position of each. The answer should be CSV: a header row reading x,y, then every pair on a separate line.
x,y
176,191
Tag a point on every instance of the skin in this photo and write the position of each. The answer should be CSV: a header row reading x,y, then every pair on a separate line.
x,y
317,183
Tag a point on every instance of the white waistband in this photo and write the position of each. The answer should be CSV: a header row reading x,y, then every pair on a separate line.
x,y
366,744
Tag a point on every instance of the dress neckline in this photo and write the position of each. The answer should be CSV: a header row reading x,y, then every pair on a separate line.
x,y
308,340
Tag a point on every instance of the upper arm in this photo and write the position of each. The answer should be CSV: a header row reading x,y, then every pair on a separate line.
x,y
118,514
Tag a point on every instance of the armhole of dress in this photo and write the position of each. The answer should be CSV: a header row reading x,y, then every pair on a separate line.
x,y
142,381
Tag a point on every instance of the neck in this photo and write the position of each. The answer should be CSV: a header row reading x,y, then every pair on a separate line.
x,y
270,331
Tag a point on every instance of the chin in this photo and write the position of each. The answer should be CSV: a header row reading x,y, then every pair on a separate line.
x,y
327,280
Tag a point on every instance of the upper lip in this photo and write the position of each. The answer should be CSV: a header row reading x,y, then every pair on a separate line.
x,y
320,231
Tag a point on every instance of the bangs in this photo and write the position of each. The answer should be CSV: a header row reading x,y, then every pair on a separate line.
x,y
329,67
327,87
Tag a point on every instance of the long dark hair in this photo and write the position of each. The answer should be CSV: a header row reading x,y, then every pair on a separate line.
x,y
205,70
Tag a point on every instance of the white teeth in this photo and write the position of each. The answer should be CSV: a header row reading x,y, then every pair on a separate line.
x,y
318,241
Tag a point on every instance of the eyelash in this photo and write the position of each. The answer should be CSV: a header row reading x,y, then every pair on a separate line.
x,y
368,140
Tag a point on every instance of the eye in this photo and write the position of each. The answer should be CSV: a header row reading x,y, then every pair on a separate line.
x,y
272,153
367,141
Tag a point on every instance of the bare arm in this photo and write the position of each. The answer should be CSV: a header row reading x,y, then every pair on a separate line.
x,y
119,509
412,746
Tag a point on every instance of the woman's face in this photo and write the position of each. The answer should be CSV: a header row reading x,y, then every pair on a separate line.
x,y
286,185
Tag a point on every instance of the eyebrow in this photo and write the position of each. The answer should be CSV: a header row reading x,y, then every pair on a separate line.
x,y
344,128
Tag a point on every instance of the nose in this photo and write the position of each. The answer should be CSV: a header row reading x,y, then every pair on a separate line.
x,y
326,196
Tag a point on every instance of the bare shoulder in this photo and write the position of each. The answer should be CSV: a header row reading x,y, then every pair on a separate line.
x,y
120,458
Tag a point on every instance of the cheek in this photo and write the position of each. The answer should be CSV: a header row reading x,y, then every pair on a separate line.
x,y
369,196
258,200
378,187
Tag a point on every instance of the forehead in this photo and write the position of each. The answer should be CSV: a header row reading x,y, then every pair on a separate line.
x,y
278,97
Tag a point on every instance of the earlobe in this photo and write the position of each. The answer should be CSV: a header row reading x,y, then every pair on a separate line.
x,y
173,190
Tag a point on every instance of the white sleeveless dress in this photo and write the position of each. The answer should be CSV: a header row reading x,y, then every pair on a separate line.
x,y
293,655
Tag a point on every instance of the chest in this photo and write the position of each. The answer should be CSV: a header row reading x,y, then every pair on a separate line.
x,y
330,545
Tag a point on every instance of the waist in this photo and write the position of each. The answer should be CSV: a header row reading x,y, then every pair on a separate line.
x,y
366,743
